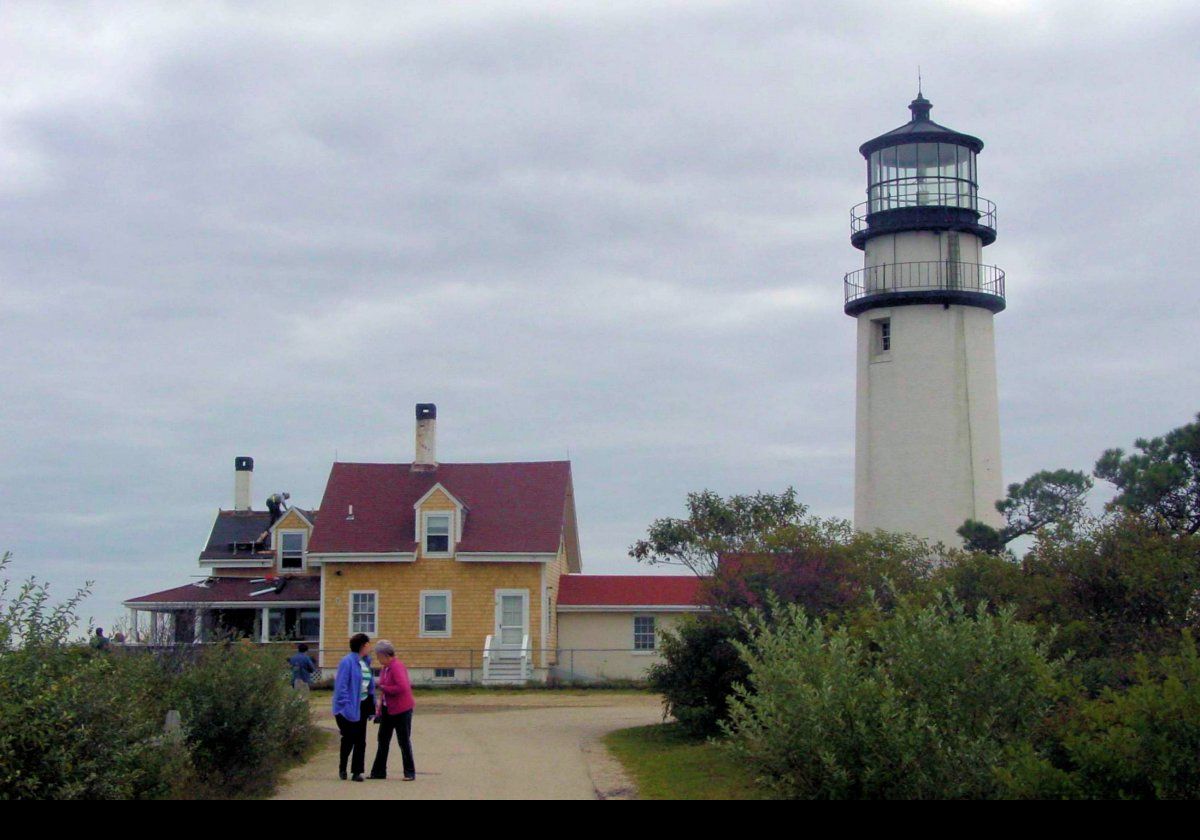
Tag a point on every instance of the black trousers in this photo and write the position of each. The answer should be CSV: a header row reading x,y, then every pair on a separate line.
x,y
401,724
354,738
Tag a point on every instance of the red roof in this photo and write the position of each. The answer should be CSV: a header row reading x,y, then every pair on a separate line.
x,y
629,591
510,508
228,590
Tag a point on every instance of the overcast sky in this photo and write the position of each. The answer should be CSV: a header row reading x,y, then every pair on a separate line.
x,y
615,231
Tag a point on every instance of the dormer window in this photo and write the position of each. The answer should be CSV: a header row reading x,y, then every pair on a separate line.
x,y
437,534
291,550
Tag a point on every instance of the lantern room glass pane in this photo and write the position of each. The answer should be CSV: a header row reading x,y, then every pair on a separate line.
x,y
921,175
927,160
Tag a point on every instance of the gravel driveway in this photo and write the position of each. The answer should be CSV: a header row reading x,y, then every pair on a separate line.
x,y
491,745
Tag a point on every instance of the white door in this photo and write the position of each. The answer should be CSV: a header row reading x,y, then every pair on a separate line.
x,y
512,619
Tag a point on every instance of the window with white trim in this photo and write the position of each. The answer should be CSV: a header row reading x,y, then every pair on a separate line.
x,y
883,336
443,673
437,533
291,550
435,613
645,636
363,611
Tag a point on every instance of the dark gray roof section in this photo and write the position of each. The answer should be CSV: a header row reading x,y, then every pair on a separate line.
x,y
235,531
920,129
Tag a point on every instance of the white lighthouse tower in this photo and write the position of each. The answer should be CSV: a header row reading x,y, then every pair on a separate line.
x,y
927,437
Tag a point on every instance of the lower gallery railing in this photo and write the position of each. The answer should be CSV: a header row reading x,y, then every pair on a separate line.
x,y
933,275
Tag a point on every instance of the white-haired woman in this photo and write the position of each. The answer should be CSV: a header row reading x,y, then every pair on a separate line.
x,y
394,711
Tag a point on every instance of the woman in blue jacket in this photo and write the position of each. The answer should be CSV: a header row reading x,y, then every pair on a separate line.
x,y
354,704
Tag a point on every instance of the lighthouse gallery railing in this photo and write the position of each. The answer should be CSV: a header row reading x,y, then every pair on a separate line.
x,y
936,275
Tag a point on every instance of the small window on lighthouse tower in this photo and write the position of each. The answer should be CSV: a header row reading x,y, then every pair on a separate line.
x,y
883,336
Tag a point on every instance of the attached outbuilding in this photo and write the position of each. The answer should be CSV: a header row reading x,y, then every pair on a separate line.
x,y
610,626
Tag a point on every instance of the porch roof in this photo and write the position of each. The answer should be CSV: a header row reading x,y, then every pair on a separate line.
x,y
234,592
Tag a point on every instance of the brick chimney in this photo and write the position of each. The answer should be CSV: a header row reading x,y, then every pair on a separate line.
x,y
425,459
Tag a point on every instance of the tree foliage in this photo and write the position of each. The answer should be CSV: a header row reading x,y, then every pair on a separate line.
x,y
716,525
1160,481
1045,498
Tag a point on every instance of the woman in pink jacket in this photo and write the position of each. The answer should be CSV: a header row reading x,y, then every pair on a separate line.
x,y
393,712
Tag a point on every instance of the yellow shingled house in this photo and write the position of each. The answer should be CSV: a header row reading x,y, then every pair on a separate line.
x,y
457,564
468,569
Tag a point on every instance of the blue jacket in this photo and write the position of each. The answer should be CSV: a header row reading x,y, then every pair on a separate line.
x,y
303,667
346,686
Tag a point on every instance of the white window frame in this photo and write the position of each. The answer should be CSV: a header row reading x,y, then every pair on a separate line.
x,y
878,328
374,593
654,640
425,516
434,634
303,550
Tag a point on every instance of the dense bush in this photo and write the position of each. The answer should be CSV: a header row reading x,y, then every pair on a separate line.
x,y
241,719
1110,589
925,704
79,723
698,671
75,723
821,565
1140,743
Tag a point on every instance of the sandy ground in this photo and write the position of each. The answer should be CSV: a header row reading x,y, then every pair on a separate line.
x,y
495,745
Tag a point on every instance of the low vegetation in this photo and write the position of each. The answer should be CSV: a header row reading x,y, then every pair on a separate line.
x,y
843,665
666,762
80,723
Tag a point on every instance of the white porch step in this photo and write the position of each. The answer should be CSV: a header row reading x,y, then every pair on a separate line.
x,y
506,666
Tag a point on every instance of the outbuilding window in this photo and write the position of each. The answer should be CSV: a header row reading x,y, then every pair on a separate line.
x,y
644,633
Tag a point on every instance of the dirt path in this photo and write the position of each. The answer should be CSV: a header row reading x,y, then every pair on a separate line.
x,y
495,745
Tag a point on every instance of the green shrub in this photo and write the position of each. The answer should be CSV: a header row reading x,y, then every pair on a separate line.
x,y
75,723
698,671
78,723
242,722
1140,743
924,704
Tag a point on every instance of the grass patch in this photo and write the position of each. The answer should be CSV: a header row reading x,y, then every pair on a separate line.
x,y
666,763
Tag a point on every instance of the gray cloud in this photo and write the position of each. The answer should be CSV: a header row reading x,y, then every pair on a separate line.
x,y
613,229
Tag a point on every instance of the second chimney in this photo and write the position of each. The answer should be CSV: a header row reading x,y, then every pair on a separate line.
x,y
243,470
426,454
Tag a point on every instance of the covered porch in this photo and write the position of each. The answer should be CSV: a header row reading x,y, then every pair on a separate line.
x,y
263,610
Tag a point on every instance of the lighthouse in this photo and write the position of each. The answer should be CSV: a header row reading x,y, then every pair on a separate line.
x,y
927,425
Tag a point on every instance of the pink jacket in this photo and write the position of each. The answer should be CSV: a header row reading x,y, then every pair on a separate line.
x,y
395,688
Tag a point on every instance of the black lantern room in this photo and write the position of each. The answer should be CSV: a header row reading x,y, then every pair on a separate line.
x,y
922,176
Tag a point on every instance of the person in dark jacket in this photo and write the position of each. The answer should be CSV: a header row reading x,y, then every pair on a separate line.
x,y
354,705
303,669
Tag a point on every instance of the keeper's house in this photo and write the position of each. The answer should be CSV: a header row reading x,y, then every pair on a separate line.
x,y
473,571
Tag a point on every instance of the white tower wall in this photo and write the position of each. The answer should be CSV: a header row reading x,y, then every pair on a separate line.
x,y
927,437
